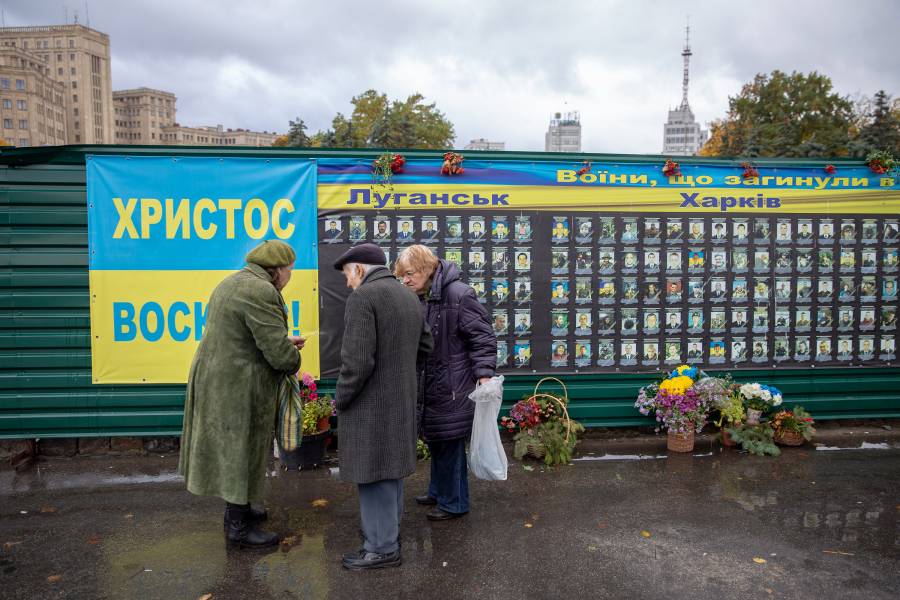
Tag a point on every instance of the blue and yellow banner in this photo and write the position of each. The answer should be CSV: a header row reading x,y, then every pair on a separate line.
x,y
164,231
609,187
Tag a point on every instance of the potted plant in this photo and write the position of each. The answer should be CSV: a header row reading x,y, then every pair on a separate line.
x,y
792,427
678,406
759,398
316,416
542,427
731,411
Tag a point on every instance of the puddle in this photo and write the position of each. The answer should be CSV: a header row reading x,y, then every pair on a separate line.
x,y
45,480
863,446
620,457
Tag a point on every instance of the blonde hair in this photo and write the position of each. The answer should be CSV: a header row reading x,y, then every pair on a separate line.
x,y
417,258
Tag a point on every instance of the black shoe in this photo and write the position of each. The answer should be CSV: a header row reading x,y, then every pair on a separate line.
x,y
426,500
436,514
362,560
241,532
255,515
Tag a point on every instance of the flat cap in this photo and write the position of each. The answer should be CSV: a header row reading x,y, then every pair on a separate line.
x,y
272,253
364,254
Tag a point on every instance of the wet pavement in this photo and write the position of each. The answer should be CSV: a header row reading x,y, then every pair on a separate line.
x,y
716,524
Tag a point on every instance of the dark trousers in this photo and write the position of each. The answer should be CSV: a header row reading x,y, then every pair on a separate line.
x,y
449,475
380,509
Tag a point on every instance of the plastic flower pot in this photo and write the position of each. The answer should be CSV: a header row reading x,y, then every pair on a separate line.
x,y
309,455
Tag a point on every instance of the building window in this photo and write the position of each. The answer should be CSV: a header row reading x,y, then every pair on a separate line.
x,y
23,142
71,43
74,85
72,56
46,45
74,97
59,71
72,71
77,137
76,111
7,103
20,84
23,123
7,124
21,105
59,57
4,83
77,124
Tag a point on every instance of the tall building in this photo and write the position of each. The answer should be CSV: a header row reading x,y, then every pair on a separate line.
x,y
564,134
77,57
682,135
142,114
32,108
483,144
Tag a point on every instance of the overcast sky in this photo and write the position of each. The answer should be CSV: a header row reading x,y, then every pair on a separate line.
x,y
497,69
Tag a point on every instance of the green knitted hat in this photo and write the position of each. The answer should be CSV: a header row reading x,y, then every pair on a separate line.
x,y
272,253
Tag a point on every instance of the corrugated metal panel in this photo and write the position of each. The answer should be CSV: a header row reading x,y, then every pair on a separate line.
x,y
45,386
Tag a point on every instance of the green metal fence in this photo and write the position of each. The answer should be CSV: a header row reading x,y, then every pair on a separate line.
x,y
45,359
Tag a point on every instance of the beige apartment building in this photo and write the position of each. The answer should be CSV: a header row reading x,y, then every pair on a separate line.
x,y
178,135
77,57
32,110
140,115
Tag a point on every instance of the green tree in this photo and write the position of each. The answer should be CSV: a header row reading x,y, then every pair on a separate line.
x,y
778,114
297,134
377,122
880,127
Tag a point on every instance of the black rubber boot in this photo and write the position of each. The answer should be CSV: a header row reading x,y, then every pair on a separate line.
x,y
256,515
241,532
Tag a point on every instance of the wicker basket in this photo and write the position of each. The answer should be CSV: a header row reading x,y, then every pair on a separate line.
x,y
535,447
680,442
789,438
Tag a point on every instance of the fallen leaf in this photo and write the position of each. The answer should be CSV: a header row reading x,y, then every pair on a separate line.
x,y
838,552
54,578
769,590
289,541
94,540
529,525
759,561
205,597
645,534
48,509
528,467
129,516
601,524
320,502
618,477
535,517
9,545
592,548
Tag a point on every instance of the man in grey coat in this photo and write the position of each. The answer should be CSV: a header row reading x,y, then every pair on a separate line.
x,y
384,346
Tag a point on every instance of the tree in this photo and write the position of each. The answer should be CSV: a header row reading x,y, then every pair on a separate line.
x,y
297,137
281,141
377,123
792,115
879,127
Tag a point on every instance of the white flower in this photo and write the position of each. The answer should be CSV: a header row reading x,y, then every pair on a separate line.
x,y
776,400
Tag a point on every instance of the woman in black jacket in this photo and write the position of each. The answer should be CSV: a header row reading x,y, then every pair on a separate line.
x,y
465,352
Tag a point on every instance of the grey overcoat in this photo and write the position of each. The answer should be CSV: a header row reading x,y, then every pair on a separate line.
x,y
384,346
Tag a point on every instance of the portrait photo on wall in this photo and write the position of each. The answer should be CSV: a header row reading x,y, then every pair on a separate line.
x,y
358,231
560,232
502,353
476,232
583,322
559,290
522,353
499,260
405,230
629,230
607,230
560,353
522,232
430,230
674,230
522,322
717,351
500,229
499,290
500,322
652,232
584,230
454,230
523,290
522,259
582,353
382,229
334,232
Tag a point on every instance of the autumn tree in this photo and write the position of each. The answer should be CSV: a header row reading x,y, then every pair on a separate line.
x,y
778,114
377,122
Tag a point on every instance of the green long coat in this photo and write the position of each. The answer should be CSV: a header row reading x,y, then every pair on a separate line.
x,y
229,411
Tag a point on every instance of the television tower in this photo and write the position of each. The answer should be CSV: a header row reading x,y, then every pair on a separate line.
x,y
686,54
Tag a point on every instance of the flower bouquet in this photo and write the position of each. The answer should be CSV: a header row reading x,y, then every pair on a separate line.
x,y
542,427
731,412
679,406
792,428
315,413
759,398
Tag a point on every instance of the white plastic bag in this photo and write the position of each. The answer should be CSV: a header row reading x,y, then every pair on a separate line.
x,y
487,459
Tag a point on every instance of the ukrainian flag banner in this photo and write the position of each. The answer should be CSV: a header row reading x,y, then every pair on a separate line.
x,y
164,231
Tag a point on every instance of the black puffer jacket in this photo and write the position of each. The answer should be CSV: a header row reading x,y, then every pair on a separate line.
x,y
465,349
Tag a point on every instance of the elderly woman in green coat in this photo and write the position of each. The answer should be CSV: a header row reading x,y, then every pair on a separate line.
x,y
229,411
